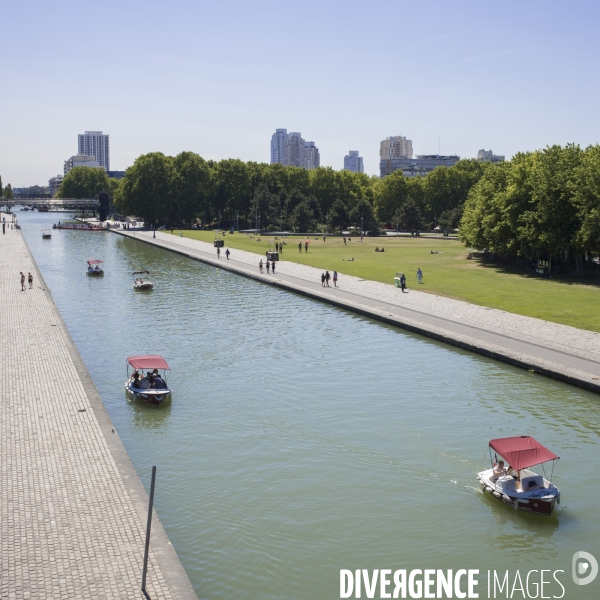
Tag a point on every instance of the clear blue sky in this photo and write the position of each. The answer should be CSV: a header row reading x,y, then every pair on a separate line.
x,y
218,78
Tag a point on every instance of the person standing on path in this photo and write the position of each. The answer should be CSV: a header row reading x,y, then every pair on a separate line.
x,y
327,278
305,246
268,266
3,228
403,282
323,279
260,265
419,274
30,280
335,278
22,282
227,253
273,267
300,247
218,252
276,246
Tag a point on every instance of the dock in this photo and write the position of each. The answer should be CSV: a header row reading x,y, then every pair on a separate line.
x,y
72,508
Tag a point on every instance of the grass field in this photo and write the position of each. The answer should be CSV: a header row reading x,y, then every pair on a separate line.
x,y
447,273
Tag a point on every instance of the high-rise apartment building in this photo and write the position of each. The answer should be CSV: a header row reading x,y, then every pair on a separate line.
x,y
353,162
291,150
93,143
489,156
396,146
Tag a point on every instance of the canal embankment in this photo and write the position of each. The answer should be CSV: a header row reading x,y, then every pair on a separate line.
x,y
554,350
73,509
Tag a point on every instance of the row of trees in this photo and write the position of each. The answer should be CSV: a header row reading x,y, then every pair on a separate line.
x,y
542,205
7,192
186,188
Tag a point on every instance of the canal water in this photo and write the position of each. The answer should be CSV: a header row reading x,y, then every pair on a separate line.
x,y
303,439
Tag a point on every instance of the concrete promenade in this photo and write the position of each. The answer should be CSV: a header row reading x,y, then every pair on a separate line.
x,y
72,508
559,351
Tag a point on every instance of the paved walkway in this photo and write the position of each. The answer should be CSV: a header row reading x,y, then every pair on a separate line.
x,y
559,351
72,508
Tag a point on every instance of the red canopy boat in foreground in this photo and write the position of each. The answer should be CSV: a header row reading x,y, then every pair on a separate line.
x,y
513,482
148,381
94,269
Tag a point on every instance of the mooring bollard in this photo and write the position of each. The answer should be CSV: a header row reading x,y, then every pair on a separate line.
x,y
147,549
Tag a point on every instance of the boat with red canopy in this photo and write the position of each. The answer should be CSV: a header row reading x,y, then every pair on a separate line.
x,y
94,269
147,380
511,480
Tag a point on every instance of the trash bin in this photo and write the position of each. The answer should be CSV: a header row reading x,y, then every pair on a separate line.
x,y
232,230
219,243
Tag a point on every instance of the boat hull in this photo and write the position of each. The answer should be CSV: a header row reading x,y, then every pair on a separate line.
x,y
149,396
529,503
144,287
95,273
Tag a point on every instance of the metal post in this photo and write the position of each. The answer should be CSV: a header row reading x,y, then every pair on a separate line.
x,y
147,549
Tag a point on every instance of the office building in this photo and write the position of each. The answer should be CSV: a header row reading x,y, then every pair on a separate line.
x,y
396,146
116,174
291,150
94,143
80,160
54,184
353,162
489,156
411,167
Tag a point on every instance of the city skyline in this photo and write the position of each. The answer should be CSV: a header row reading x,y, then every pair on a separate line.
x,y
483,79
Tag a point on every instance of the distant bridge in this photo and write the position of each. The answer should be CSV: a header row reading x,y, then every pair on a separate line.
x,y
75,204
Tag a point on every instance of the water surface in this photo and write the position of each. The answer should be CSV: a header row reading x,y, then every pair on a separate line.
x,y
303,439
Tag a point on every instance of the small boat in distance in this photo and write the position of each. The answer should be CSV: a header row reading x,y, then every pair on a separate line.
x,y
94,269
150,387
46,234
518,486
141,284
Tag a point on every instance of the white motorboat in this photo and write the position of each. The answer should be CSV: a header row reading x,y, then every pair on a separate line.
x,y
148,379
46,234
94,269
518,486
141,284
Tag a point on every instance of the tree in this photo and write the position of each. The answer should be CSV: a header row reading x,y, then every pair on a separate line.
x,y
339,218
364,213
1,188
84,182
8,192
192,187
410,215
303,217
146,189
586,200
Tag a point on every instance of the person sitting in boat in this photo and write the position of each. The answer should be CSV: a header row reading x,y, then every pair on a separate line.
x,y
135,379
500,470
90,270
159,382
96,268
146,382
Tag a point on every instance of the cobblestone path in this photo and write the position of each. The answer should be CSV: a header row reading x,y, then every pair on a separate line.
x,y
69,528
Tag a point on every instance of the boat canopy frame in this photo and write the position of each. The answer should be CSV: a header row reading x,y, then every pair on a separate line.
x,y
522,452
95,261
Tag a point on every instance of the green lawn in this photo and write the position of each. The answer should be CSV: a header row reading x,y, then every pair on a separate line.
x,y
447,273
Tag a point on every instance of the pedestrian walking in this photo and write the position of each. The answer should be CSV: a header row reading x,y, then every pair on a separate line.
x,y
30,280
335,278
260,265
419,274
327,278
403,282
344,240
281,248
227,253
3,228
22,282
268,265
300,247
276,246
323,279
305,246
218,252
273,267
